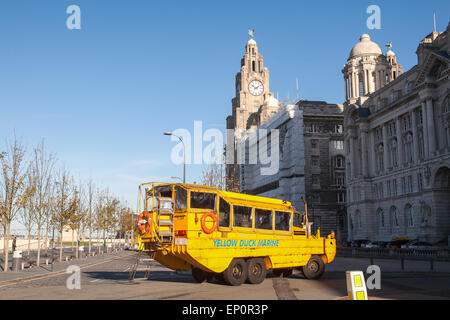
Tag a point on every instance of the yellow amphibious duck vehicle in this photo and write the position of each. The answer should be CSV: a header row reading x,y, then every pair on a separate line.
x,y
231,236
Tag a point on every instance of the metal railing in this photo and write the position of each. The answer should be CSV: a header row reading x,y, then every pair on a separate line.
x,y
438,254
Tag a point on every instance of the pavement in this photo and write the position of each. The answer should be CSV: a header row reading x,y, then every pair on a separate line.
x,y
57,267
106,277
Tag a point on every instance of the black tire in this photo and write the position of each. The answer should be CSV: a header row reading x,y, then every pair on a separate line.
x,y
256,270
314,269
219,278
236,273
283,272
199,275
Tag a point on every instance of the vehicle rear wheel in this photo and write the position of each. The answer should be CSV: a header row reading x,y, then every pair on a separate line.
x,y
314,269
236,273
256,271
283,272
200,275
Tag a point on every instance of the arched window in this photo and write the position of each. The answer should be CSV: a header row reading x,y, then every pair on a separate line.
x,y
409,215
358,221
339,162
361,85
381,222
446,105
395,218
446,118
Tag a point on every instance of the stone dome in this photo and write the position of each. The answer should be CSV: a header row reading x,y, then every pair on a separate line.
x,y
251,42
390,53
365,46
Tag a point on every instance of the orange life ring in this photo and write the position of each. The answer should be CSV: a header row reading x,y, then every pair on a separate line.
x,y
144,227
214,227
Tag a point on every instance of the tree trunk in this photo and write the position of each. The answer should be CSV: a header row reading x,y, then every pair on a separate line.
x,y
72,239
90,239
78,243
38,260
61,244
47,244
29,243
6,246
98,237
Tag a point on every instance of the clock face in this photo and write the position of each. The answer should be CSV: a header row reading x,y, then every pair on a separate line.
x,y
256,88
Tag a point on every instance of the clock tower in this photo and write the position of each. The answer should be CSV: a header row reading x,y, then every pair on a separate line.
x,y
252,89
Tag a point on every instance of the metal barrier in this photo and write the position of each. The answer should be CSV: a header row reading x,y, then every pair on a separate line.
x,y
437,254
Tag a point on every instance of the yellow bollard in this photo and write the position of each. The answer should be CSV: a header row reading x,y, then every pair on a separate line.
x,y
356,285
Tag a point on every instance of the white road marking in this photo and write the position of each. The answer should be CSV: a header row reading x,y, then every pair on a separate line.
x,y
95,280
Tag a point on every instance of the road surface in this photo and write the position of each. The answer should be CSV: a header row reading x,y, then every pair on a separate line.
x,y
108,279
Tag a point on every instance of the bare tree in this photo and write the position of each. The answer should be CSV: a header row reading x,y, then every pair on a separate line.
x,y
77,217
100,218
127,223
64,205
27,213
114,217
214,176
42,169
12,188
90,203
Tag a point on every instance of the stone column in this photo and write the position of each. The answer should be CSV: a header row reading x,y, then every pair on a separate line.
x,y
346,88
425,130
363,133
353,157
350,84
385,149
430,125
415,137
399,142
371,151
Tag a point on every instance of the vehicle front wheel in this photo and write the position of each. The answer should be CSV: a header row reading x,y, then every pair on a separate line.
x,y
256,271
314,269
236,273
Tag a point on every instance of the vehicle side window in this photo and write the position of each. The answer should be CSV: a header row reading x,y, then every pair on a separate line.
x,y
203,200
224,213
282,221
242,216
298,220
263,219
180,198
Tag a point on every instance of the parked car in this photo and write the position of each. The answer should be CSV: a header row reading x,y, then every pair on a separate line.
x,y
346,244
376,244
396,244
382,244
419,245
359,243
405,245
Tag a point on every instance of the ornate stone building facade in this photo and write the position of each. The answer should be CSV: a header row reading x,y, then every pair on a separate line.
x,y
252,106
397,142
310,145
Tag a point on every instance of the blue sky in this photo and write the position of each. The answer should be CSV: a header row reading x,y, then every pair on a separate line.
x,y
102,96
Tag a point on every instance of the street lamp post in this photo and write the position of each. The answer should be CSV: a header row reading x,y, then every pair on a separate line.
x,y
184,153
